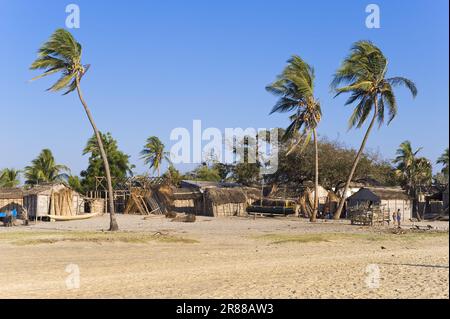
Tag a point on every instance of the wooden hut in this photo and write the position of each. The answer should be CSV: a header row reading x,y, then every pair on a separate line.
x,y
53,199
389,199
220,202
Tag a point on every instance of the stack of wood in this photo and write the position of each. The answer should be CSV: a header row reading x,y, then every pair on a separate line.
x,y
145,202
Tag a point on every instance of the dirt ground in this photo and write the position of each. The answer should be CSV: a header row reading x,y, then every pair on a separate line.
x,y
221,258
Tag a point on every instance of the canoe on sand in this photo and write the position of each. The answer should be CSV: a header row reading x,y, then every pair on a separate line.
x,y
68,218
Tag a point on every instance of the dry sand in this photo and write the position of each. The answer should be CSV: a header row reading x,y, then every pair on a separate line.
x,y
222,258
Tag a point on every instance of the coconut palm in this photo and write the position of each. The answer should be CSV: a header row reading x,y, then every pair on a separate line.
x,y
444,160
43,169
153,154
9,177
413,171
295,87
405,161
363,74
62,54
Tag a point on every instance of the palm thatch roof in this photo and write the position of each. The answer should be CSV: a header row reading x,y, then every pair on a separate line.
x,y
11,193
380,193
221,196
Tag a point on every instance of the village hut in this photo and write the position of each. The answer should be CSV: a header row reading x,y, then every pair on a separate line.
x,y
53,200
221,202
187,200
389,199
11,199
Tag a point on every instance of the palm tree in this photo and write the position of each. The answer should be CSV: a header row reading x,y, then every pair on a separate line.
x,y
43,169
405,161
363,74
62,54
153,154
9,177
295,87
414,171
444,160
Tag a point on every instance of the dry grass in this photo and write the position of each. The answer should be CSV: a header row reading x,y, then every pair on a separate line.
x,y
36,238
328,237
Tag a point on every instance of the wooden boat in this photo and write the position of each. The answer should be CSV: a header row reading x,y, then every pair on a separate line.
x,y
69,218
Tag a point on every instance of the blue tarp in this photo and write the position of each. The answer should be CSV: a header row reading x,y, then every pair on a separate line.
x,y
3,214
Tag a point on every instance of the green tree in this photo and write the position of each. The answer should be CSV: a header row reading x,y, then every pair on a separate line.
x,y
363,74
119,164
203,173
74,182
444,161
295,87
413,171
173,175
62,54
9,177
154,153
43,169
224,170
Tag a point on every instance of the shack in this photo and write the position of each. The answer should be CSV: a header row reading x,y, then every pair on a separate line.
x,y
389,199
221,202
53,199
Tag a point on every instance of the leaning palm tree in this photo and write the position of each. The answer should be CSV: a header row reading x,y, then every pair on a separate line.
x,y
44,169
295,87
62,54
9,177
153,154
363,74
444,160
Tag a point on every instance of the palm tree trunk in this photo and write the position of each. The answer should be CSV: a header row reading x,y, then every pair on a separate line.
x,y
338,212
316,182
113,222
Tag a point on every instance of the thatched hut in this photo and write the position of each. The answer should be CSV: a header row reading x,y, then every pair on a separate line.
x,y
11,199
53,199
220,202
188,200
389,199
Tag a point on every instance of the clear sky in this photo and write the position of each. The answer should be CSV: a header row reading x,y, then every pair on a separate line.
x,y
157,65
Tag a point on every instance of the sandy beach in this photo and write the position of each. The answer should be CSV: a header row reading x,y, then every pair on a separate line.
x,y
222,258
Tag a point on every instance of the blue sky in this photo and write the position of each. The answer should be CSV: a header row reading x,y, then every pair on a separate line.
x,y
160,65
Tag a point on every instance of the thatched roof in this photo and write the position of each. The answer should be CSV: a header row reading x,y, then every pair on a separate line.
x,y
11,193
252,193
186,193
380,193
221,196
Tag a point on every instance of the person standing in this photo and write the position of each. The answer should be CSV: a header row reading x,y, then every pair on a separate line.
x,y
394,217
399,218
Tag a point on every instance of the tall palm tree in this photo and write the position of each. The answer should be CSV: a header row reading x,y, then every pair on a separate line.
x,y
62,54
153,154
9,177
43,169
363,74
444,160
295,87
